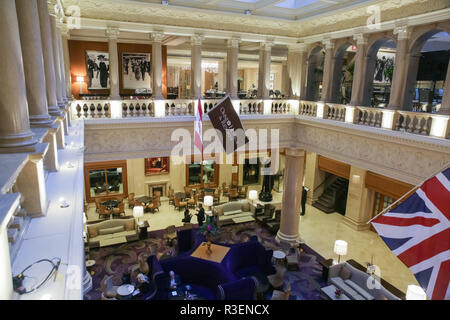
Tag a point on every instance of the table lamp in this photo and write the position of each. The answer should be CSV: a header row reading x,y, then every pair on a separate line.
x,y
253,195
80,79
208,202
415,293
138,212
340,248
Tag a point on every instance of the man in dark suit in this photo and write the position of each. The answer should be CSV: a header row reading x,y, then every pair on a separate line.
x,y
304,193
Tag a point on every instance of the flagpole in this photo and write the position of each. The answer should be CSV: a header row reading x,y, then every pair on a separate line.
x,y
408,193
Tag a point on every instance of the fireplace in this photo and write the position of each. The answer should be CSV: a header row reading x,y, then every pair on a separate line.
x,y
157,186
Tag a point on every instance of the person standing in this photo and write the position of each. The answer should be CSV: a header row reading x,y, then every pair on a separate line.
x,y
187,216
304,193
200,215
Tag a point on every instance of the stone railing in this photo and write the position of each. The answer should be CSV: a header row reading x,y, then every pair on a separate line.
x,y
335,111
414,122
308,108
251,106
368,116
405,121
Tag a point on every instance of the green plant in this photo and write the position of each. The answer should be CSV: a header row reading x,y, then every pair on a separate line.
x,y
389,73
210,228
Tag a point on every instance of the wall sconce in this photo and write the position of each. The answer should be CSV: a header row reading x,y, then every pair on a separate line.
x,y
80,79
63,203
356,179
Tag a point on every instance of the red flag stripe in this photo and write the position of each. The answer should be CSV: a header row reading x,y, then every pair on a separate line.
x,y
405,222
442,281
437,194
426,249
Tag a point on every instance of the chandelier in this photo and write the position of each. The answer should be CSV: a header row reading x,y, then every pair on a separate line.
x,y
211,67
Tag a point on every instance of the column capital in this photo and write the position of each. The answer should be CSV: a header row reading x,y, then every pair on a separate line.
x,y
197,39
65,30
360,38
267,45
295,152
328,43
297,47
402,32
112,33
233,42
157,36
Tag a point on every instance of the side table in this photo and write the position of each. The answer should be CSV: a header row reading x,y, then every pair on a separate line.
x,y
143,234
326,264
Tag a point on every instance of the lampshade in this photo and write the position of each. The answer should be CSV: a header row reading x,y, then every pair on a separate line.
x,y
340,247
80,79
208,201
138,212
253,195
415,293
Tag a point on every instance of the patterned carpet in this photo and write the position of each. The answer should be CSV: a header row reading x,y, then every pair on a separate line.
x,y
116,260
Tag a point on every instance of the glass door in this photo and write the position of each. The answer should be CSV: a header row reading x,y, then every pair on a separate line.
x,y
103,179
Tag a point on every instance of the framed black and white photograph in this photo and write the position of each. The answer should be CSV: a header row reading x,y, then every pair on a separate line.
x,y
384,67
136,73
97,69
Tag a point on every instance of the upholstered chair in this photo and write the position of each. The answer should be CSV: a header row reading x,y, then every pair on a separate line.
x,y
104,213
119,210
243,193
131,201
180,204
171,196
143,265
192,203
233,194
107,287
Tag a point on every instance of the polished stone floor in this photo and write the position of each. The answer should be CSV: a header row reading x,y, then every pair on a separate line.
x,y
319,230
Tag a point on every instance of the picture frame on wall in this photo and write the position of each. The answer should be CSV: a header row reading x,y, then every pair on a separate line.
x,y
97,70
136,71
158,165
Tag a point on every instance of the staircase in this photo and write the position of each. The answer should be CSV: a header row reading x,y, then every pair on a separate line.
x,y
334,198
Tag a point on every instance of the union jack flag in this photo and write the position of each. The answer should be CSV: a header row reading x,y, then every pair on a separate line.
x,y
418,233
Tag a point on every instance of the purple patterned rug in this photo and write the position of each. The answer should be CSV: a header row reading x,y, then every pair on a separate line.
x,y
120,259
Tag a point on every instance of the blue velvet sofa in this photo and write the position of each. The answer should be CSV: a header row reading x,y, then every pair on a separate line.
x,y
233,278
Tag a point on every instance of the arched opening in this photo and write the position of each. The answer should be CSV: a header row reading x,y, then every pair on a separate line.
x,y
315,74
379,73
344,66
426,72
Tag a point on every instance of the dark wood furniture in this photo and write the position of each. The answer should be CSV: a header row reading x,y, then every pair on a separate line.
x,y
326,264
143,234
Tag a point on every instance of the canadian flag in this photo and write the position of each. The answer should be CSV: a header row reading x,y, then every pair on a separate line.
x,y
198,129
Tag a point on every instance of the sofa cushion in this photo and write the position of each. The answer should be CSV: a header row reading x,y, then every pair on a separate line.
x,y
339,283
129,225
111,230
228,213
345,273
360,290
245,207
93,231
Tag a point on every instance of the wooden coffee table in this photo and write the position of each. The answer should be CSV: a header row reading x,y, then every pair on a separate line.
x,y
218,252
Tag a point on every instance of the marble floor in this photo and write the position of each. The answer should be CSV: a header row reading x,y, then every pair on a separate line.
x,y
318,229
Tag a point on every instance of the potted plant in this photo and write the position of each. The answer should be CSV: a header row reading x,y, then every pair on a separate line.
x,y
338,293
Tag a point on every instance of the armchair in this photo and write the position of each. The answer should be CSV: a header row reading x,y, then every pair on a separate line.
x,y
180,204
171,196
119,210
131,201
104,213
243,193
234,194
225,189
242,289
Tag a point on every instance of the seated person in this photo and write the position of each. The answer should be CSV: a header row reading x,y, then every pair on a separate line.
x,y
143,283
174,281
187,216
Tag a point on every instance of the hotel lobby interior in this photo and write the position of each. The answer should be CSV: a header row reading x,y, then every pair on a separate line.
x,y
346,104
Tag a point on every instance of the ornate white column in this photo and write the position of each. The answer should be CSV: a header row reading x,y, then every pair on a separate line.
x,y
62,71
157,38
359,74
445,105
15,134
303,72
264,72
47,51
56,63
233,53
285,85
292,197
113,34
196,66
261,71
30,38
400,68
327,80
65,36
